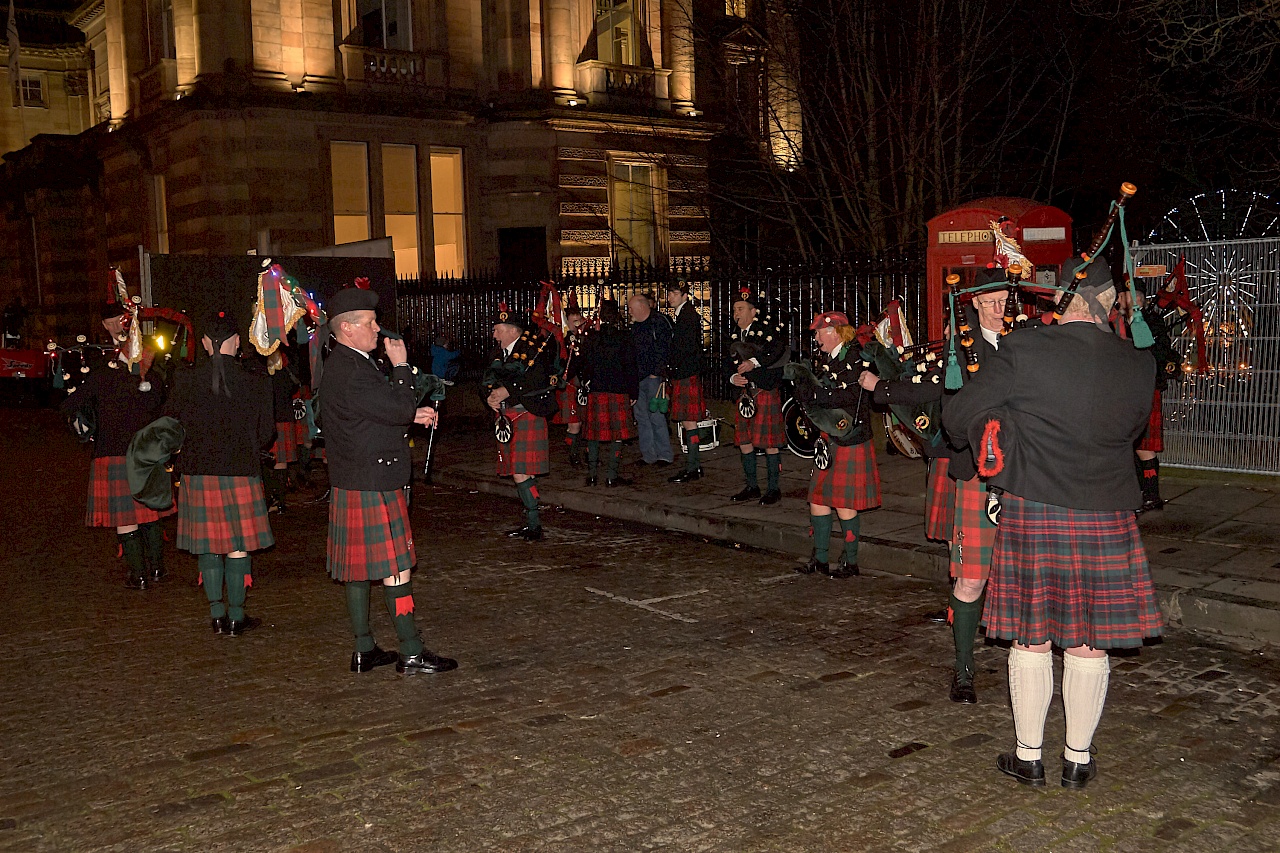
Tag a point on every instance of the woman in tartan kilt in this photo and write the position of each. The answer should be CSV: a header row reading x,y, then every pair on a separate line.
x,y
519,387
609,363
1054,417
684,380
222,516
366,421
845,476
760,350
124,403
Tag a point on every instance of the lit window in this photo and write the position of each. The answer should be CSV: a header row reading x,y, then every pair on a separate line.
x,y
400,198
616,29
29,92
386,24
448,211
735,8
631,209
350,166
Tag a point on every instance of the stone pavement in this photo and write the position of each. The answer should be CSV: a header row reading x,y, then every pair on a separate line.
x,y
619,690
1214,549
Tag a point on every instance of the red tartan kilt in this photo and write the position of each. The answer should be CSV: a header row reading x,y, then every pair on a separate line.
x,y
973,535
1073,577
289,435
218,515
852,481
1153,437
528,451
765,429
939,501
568,399
370,537
609,417
110,503
687,404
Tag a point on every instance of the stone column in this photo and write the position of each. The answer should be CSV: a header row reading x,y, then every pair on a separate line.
x,y
679,37
558,36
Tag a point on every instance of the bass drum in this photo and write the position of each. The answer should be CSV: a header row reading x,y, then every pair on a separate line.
x,y
801,434
907,442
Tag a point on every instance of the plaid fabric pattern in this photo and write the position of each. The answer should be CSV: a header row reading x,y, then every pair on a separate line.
x,y
973,535
765,429
609,417
218,515
528,452
852,481
370,537
939,501
1074,577
289,435
1153,438
568,397
687,403
110,502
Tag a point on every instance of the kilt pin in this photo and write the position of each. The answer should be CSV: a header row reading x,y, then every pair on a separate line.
x,y
687,403
973,535
1069,576
765,429
1153,436
528,451
609,417
852,481
110,503
939,500
219,515
370,537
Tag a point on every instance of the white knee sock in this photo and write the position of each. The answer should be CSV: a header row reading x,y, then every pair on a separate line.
x,y
1030,691
1084,692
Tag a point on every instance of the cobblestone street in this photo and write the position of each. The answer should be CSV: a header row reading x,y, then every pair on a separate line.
x,y
619,689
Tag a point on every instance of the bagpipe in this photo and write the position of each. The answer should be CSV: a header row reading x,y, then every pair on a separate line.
x,y
837,423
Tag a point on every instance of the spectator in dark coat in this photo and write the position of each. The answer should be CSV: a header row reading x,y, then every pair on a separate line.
x,y
651,332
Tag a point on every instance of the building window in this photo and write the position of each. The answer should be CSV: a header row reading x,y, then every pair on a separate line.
x,y
29,92
448,212
400,200
735,8
386,24
349,162
631,211
160,40
161,205
617,32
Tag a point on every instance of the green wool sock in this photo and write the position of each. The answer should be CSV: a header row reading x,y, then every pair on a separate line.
x,y
821,536
749,470
211,573
965,616
615,456
851,527
694,441
773,469
153,535
238,580
529,497
131,548
593,457
400,605
358,613
575,442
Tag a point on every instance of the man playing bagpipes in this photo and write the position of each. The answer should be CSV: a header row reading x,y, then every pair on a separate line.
x,y
845,476
519,386
608,362
956,502
571,411
684,377
760,350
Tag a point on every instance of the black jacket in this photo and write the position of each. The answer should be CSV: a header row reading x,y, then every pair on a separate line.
x,y
684,358
766,342
122,409
839,374
529,373
1070,399
653,343
609,361
224,436
365,420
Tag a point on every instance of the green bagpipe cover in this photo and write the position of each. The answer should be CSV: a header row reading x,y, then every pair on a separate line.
x,y
146,460
924,420
836,423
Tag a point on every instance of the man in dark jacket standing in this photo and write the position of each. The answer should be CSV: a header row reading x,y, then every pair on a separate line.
x,y
1052,418
684,377
609,364
760,349
652,334
366,421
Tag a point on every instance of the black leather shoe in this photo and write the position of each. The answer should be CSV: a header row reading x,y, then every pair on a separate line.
x,y
750,493
1149,506
424,662
219,625
962,689
591,481
620,481
1078,775
530,534
939,616
365,661
238,627
1027,772
770,497
812,566
575,460
842,570
686,476
140,582
158,575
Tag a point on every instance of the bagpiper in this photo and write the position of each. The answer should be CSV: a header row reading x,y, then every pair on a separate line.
x,y
608,362
760,350
684,377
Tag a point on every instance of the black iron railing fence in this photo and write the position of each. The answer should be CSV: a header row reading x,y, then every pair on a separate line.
x,y
463,308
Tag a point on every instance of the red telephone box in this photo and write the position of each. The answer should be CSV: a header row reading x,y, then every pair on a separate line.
x,y
960,242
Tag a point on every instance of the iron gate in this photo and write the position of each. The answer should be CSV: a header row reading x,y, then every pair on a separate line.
x,y
1227,418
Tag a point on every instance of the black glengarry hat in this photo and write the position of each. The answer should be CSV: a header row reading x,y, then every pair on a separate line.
x,y
352,299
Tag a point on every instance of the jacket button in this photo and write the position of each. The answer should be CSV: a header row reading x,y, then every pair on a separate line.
x,y
379,460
